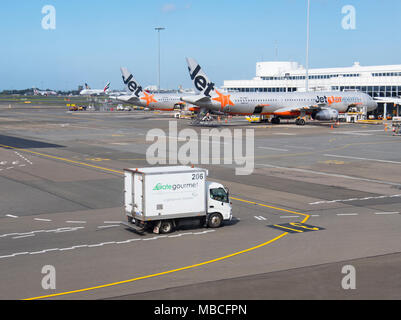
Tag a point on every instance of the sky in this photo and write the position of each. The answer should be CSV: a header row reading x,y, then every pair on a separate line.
x,y
94,38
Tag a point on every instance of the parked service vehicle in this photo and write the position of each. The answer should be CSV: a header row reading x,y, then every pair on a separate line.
x,y
396,125
163,198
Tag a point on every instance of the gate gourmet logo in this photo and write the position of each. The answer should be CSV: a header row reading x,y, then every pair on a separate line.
x,y
174,187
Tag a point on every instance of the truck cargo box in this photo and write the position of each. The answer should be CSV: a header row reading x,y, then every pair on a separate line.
x,y
165,192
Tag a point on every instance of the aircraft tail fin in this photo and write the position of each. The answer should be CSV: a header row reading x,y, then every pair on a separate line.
x,y
131,84
107,87
199,78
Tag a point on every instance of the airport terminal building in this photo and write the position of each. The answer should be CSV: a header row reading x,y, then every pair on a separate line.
x,y
284,76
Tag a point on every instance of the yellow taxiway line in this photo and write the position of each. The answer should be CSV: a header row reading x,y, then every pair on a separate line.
x,y
168,271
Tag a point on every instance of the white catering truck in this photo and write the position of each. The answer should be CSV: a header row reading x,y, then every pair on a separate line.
x,y
163,198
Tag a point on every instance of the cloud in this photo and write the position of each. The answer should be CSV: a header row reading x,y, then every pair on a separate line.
x,y
169,7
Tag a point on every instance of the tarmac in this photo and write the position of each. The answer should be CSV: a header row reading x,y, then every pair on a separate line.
x,y
319,198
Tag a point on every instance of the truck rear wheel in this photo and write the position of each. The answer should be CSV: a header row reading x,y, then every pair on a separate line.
x,y
166,226
215,220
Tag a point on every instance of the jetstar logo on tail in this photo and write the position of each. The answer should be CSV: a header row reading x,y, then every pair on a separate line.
x,y
224,100
132,85
201,82
149,98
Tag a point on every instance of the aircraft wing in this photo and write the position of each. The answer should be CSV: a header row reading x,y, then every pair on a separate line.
x,y
196,99
297,110
127,98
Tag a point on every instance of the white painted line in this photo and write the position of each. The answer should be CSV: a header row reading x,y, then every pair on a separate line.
x,y
110,226
353,133
358,131
54,249
356,199
37,252
386,212
274,149
315,215
260,218
329,174
40,231
186,233
28,235
203,232
11,216
102,244
347,214
110,242
61,231
128,241
284,134
66,249
75,221
358,158
40,219
20,253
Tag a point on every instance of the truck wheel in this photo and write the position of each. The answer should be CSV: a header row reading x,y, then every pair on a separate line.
x,y
166,226
215,220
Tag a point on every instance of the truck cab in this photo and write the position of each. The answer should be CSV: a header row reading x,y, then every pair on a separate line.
x,y
218,202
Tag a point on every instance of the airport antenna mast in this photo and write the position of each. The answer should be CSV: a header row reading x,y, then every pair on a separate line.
x,y
158,29
307,48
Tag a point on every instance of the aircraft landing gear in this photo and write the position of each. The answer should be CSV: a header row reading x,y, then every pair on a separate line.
x,y
300,122
275,121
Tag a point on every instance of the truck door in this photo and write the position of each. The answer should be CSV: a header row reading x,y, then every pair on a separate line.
x,y
219,201
128,188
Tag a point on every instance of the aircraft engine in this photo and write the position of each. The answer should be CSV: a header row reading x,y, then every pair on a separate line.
x,y
325,115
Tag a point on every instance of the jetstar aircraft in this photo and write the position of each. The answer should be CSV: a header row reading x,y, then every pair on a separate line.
x,y
320,105
95,92
156,101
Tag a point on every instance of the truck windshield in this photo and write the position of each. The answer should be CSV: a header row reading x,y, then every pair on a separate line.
x,y
219,194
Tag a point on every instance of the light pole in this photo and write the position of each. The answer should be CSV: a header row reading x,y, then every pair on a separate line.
x,y
158,29
307,49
